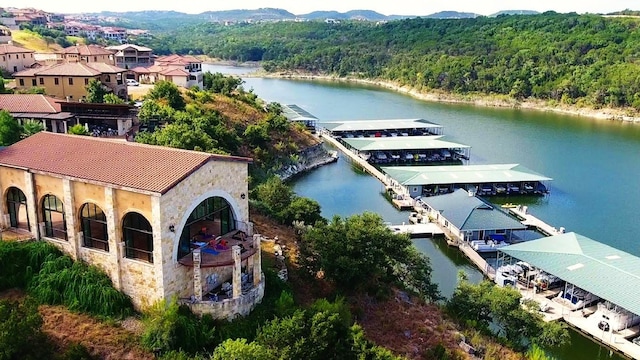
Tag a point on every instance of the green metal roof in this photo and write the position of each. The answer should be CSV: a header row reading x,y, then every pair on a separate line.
x,y
402,143
296,113
471,213
372,125
461,174
600,269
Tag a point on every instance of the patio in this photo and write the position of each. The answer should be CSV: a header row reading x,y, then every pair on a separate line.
x,y
216,251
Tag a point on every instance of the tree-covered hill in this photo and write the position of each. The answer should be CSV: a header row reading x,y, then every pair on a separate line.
x,y
585,59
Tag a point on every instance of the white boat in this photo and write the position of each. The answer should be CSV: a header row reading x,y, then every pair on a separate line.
x,y
487,245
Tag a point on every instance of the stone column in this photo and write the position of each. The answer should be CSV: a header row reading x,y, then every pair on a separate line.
x,y
70,218
158,248
4,215
66,126
257,260
30,194
113,234
197,274
237,272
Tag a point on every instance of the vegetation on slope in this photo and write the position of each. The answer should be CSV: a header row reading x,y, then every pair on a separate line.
x,y
575,59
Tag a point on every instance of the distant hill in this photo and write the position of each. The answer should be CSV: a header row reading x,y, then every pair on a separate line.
x,y
349,15
248,15
452,15
515,12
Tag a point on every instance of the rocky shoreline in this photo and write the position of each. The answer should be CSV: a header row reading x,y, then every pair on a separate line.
x,y
309,159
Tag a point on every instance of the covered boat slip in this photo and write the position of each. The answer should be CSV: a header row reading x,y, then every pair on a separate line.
x,y
408,149
496,179
599,289
381,128
295,113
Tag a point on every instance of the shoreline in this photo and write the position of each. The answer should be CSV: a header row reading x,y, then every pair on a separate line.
x,y
498,101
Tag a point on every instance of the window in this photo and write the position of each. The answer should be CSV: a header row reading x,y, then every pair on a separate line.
x,y
23,56
21,82
33,82
55,225
108,78
138,237
41,81
17,206
94,227
215,214
70,81
56,81
86,81
95,59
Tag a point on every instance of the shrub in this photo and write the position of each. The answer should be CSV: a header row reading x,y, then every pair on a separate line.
x,y
80,287
19,261
171,327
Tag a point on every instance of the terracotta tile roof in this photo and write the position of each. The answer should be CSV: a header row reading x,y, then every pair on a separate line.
x,y
29,103
136,166
177,60
12,49
85,50
141,70
174,72
127,46
71,69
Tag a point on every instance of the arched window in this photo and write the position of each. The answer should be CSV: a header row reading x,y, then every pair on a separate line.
x,y
138,237
211,218
94,227
55,225
17,206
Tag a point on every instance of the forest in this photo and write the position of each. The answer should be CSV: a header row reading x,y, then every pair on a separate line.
x,y
583,60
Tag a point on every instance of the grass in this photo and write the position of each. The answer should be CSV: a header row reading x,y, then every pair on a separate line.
x,y
32,41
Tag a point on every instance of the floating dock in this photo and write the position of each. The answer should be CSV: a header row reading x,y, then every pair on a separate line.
x,y
520,212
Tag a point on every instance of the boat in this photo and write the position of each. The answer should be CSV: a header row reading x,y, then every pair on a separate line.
x,y
509,205
575,298
487,245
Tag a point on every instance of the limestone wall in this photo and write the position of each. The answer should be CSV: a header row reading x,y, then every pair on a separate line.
x,y
226,179
139,281
230,308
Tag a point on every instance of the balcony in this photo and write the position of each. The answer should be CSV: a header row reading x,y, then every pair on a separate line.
x,y
216,251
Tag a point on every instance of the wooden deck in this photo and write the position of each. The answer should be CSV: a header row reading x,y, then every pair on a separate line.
x,y
531,221
220,257
418,230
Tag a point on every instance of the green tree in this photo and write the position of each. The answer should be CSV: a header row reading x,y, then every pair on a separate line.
x,y
168,93
10,130
303,209
3,89
274,195
153,110
112,98
361,252
239,349
31,127
221,84
95,91
78,129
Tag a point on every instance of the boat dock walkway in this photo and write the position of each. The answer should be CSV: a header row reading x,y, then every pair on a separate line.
x,y
478,260
527,219
418,230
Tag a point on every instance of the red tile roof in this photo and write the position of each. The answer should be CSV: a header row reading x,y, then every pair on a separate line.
x,y
86,50
136,166
71,69
29,103
12,49
174,72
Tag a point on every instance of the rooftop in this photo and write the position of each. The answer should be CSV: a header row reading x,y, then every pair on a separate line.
x,y
12,49
402,143
462,174
29,103
468,212
134,166
296,113
607,272
128,46
71,69
85,50
371,125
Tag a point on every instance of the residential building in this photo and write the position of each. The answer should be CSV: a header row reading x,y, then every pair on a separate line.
x,y
114,34
74,28
129,56
15,58
38,107
69,80
185,71
87,54
144,214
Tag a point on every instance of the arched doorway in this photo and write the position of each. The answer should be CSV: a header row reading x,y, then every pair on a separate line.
x,y
55,225
94,227
17,207
212,217
138,237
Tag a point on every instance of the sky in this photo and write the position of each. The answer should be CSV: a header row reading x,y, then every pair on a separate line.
x,y
387,7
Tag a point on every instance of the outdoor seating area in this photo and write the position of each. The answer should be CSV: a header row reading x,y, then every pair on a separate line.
x,y
216,250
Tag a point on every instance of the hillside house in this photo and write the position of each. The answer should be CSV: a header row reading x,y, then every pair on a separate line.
x,y
161,222
15,58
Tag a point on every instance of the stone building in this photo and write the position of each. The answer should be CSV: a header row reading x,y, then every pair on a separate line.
x,y
161,222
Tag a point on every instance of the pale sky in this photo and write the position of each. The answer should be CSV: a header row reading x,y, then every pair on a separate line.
x,y
387,7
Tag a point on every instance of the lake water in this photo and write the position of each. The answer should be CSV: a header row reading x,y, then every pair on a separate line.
x,y
595,191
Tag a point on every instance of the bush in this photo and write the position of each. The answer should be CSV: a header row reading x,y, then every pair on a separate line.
x,y
170,327
76,351
80,287
19,261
